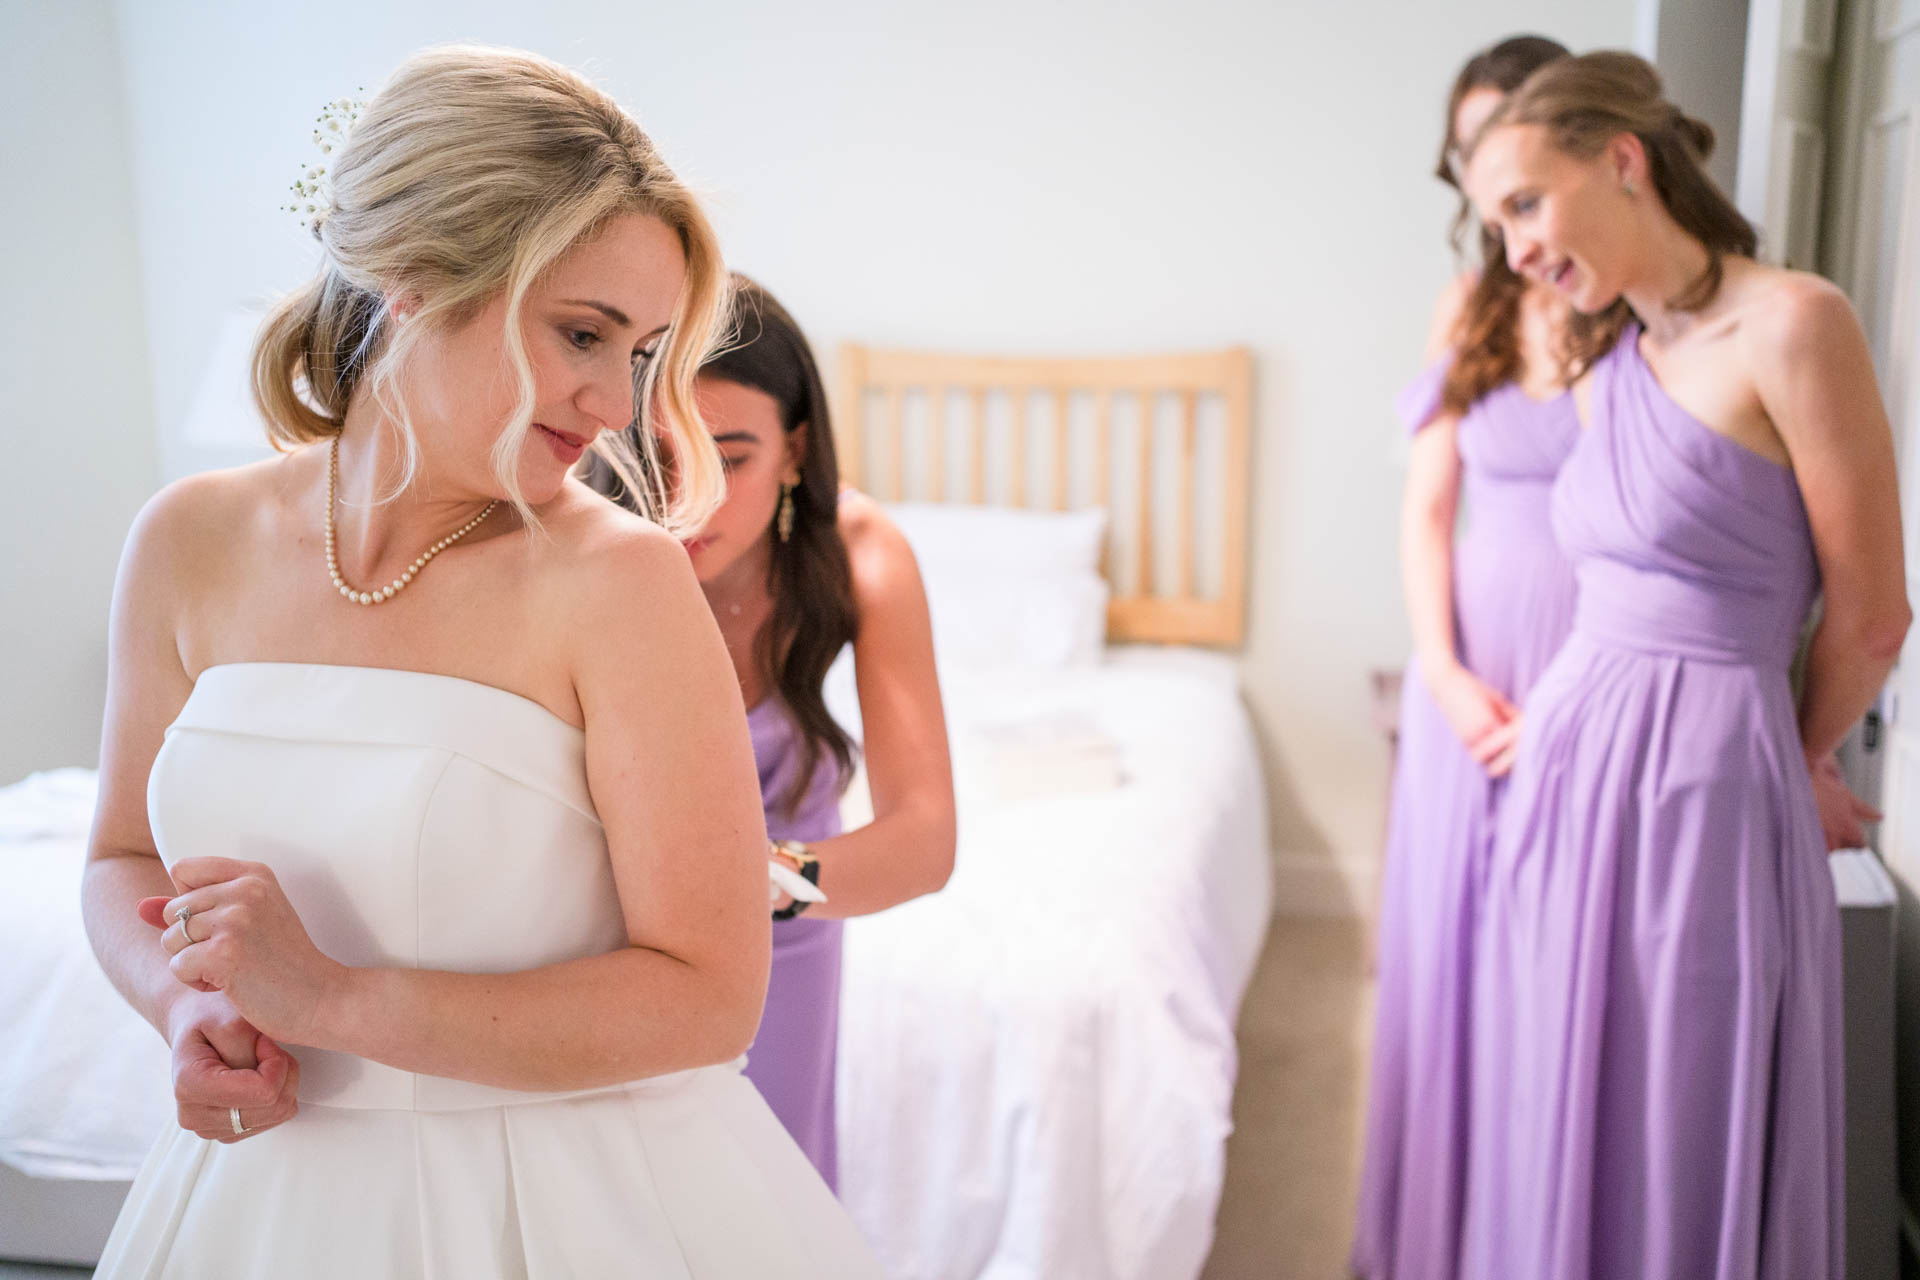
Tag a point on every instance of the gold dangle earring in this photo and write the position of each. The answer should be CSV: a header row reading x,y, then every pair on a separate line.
x,y
783,523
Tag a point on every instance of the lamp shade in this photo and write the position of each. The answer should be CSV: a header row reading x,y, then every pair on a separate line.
x,y
222,414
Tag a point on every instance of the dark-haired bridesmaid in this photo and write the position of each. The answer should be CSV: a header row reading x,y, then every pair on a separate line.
x,y
795,569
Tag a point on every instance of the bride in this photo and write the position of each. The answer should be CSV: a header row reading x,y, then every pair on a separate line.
x,y
429,832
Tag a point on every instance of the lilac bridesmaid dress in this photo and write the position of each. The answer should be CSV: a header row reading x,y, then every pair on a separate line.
x,y
1661,1007
791,1061
1513,602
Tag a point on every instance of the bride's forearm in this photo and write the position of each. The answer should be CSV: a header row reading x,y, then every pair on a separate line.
x,y
579,1024
127,947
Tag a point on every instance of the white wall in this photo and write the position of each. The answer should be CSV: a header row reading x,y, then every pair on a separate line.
x,y
1017,177
1700,47
76,420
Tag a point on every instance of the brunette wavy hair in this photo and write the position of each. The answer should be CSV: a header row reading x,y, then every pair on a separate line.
x,y
808,575
1486,336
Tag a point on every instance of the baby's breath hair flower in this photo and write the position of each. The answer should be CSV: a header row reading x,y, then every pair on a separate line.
x,y
311,192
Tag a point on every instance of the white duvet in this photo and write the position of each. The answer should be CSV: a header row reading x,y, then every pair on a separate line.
x,y
1036,1065
84,1081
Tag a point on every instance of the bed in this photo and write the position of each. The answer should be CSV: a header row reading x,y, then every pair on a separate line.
x,y
1036,1065
84,1082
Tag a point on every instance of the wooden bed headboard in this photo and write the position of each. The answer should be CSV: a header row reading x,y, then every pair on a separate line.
x,y
1162,442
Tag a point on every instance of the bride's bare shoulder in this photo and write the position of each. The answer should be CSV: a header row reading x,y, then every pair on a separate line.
x,y
619,597
195,519
598,552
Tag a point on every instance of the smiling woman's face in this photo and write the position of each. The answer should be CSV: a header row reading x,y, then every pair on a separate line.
x,y
1562,219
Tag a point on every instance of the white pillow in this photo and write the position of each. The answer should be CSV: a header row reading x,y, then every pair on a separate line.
x,y
1011,539
990,619
1010,588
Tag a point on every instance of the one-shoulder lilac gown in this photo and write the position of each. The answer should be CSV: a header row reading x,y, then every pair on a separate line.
x,y
792,1058
1660,1012
1513,594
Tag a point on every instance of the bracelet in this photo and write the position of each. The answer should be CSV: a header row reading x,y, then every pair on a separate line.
x,y
803,862
794,852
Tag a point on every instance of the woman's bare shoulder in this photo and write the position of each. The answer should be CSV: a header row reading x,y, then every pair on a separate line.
x,y
877,552
619,601
583,527
198,519
1784,315
602,566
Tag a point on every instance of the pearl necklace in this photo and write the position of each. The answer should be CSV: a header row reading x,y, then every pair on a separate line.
x,y
393,588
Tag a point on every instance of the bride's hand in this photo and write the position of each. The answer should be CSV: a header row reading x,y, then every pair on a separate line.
x,y
243,938
222,1064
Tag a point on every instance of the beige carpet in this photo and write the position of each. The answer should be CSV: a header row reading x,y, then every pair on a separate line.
x,y
1286,1212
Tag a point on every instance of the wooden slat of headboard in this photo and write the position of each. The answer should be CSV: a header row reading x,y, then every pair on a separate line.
x,y
1137,611
1018,462
897,436
977,402
1184,493
1062,408
849,416
1143,526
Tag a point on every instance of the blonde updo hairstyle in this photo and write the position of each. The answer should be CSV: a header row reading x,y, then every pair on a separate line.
x,y
470,173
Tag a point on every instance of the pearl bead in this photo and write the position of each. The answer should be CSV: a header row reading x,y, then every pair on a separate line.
x,y
383,594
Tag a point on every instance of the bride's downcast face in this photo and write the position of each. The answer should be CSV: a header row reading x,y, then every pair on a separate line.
x,y
588,325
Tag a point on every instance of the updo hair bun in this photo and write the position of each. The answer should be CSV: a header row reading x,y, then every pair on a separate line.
x,y
1695,134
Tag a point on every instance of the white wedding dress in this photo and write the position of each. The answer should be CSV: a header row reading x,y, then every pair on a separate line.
x,y
428,821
